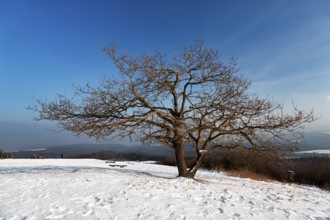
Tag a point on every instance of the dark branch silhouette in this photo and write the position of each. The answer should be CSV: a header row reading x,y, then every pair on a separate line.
x,y
193,99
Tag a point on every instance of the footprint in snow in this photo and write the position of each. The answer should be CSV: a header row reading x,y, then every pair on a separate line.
x,y
89,212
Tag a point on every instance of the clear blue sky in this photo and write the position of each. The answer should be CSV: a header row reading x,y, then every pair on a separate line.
x,y
46,46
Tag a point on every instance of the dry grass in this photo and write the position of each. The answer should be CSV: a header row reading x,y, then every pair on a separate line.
x,y
245,173
244,164
326,187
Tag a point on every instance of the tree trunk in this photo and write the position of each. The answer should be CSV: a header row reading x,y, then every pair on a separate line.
x,y
193,170
181,163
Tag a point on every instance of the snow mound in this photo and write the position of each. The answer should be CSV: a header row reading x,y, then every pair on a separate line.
x,y
91,189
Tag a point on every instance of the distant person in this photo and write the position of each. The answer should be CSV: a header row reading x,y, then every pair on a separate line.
x,y
291,175
62,156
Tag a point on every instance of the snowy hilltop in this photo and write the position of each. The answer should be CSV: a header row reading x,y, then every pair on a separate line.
x,y
91,189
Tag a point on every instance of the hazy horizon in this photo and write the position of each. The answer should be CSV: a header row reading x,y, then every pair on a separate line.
x,y
40,135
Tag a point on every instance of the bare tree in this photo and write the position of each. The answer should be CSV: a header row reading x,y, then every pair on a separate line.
x,y
193,99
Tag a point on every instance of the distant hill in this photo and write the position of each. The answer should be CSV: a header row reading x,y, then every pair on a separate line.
x,y
122,156
312,141
315,141
86,149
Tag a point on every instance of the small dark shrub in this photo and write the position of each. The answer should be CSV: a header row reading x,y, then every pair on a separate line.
x,y
172,162
167,161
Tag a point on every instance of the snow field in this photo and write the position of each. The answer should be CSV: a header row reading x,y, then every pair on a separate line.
x,y
90,189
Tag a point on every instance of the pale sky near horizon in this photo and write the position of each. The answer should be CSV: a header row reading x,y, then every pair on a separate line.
x,y
283,46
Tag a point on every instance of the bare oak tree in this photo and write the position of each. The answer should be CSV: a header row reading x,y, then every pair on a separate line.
x,y
193,99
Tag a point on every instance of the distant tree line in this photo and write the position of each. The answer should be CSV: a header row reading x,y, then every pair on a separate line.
x,y
129,156
312,171
4,155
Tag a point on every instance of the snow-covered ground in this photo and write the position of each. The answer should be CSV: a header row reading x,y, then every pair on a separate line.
x,y
314,152
91,189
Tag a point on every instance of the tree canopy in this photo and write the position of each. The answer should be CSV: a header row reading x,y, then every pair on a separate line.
x,y
191,99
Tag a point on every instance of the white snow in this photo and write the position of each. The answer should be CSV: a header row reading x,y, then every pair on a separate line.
x,y
91,189
327,151
36,149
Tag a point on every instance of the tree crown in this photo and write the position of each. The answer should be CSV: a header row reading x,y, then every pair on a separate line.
x,y
192,99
